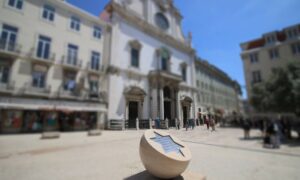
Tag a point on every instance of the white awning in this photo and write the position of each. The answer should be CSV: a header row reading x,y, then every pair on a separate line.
x,y
80,108
25,106
50,105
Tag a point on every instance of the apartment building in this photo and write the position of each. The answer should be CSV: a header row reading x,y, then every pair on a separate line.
x,y
52,67
216,91
264,55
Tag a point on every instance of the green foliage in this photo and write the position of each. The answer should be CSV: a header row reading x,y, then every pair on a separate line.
x,y
280,93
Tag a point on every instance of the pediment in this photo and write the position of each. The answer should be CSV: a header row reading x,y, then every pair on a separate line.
x,y
134,90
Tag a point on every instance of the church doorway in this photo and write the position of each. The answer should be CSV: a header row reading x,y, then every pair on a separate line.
x,y
185,115
167,108
134,105
167,103
133,113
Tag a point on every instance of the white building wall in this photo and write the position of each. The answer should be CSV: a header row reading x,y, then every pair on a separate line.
x,y
215,94
122,35
30,25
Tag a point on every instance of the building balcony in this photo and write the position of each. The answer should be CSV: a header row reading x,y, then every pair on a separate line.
x,y
95,96
30,89
7,87
66,93
45,59
96,69
10,48
72,63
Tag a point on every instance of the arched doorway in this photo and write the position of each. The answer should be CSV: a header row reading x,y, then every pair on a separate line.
x,y
134,104
186,104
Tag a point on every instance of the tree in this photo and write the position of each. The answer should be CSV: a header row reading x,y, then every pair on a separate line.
x,y
280,93
294,74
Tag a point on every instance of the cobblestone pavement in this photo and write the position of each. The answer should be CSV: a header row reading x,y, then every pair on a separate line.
x,y
114,155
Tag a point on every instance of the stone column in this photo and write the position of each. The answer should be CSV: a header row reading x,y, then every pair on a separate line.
x,y
150,95
126,109
175,103
179,116
161,104
158,95
100,119
194,105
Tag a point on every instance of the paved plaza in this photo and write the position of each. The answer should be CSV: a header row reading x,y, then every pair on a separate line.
x,y
114,155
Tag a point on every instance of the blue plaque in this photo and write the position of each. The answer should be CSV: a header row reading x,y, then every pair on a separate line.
x,y
167,144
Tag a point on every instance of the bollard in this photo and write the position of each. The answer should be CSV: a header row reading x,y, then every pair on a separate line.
x,y
167,123
150,123
124,125
137,124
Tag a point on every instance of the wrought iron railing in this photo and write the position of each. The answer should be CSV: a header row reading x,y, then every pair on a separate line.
x,y
172,123
99,68
116,124
64,92
70,61
144,124
9,46
9,86
49,58
32,89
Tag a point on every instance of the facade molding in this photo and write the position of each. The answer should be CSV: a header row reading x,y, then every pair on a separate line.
x,y
150,29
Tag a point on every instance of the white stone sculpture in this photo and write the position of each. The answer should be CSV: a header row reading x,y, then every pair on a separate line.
x,y
163,155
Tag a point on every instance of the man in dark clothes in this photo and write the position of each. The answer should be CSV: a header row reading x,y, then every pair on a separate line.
x,y
247,127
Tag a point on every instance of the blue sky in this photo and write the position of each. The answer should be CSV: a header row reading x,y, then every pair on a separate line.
x,y
219,28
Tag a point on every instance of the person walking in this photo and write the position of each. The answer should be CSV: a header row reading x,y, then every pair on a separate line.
x,y
193,123
177,123
213,124
274,135
206,120
277,135
187,124
246,127
157,123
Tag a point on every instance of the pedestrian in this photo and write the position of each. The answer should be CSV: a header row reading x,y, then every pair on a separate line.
x,y
177,123
192,124
187,124
246,127
277,135
157,123
206,120
268,133
287,128
273,135
213,124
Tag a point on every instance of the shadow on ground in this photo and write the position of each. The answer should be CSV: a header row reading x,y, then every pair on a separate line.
x,y
252,138
292,142
146,176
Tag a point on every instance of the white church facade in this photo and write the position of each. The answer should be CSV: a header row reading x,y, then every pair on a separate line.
x,y
153,63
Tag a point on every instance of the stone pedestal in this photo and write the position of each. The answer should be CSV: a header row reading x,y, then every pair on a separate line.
x,y
50,135
163,155
94,132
